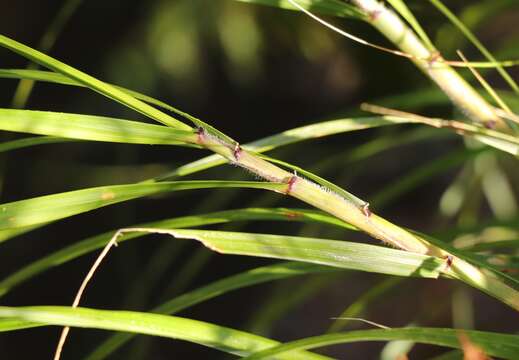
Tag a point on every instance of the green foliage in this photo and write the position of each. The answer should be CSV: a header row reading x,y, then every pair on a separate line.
x,y
218,337
501,345
483,258
44,209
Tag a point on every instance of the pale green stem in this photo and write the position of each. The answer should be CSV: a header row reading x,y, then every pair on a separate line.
x,y
324,199
360,216
450,82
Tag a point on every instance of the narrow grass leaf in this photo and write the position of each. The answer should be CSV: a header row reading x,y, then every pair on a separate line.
x,y
248,278
56,78
31,141
312,131
218,337
341,254
46,43
7,234
497,139
508,144
58,206
492,245
494,344
89,127
287,137
475,41
39,75
97,242
91,82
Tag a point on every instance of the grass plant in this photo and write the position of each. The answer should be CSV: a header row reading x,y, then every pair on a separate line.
x,y
487,137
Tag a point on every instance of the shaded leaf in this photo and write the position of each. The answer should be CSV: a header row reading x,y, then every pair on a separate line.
x,y
495,344
326,7
91,82
217,288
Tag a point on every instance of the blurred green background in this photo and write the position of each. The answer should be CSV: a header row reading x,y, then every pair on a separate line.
x,y
250,71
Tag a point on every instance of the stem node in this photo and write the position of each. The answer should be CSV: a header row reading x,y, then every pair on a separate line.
x,y
373,15
365,209
490,124
291,182
433,58
237,152
449,259
200,132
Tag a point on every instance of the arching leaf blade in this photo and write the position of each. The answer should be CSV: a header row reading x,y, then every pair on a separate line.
x,y
86,246
222,338
89,127
49,208
494,344
217,288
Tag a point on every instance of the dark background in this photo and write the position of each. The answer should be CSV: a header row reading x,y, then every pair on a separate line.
x,y
249,71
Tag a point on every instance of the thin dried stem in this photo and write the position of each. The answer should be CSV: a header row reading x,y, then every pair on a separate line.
x,y
90,274
350,36
459,127
369,322
79,294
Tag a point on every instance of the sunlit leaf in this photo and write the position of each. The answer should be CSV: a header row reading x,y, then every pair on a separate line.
x,y
48,208
88,245
217,288
203,333
89,127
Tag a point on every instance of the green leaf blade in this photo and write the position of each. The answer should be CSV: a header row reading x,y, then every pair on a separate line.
x,y
217,288
86,246
335,253
49,208
91,82
494,344
89,127
203,333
